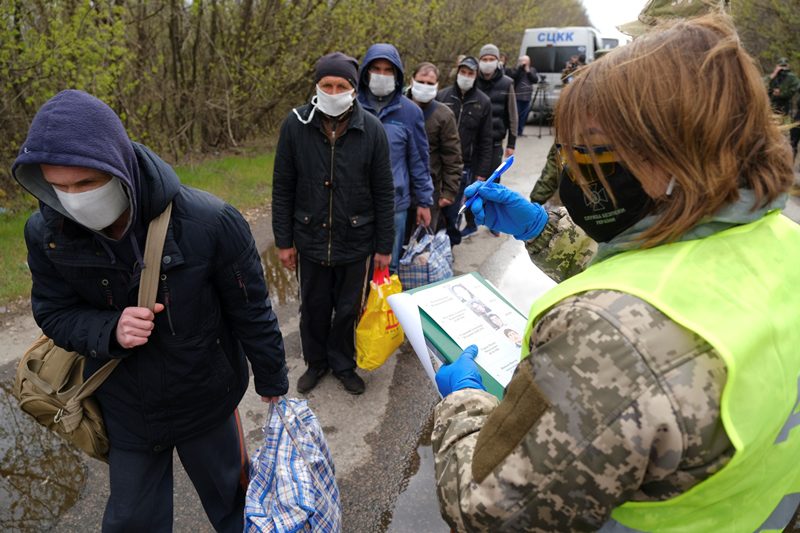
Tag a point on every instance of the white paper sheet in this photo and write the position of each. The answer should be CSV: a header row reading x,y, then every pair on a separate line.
x,y
407,313
470,313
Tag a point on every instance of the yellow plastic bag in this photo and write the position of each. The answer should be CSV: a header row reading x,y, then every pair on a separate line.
x,y
378,333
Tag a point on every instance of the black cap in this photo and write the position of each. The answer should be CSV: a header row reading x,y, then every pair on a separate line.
x,y
469,62
337,64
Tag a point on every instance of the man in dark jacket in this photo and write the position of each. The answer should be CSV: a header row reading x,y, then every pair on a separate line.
x,y
525,77
473,112
381,80
184,369
333,206
500,90
444,144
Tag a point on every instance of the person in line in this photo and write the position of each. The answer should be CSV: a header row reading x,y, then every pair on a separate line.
x,y
473,112
381,81
658,388
525,77
443,143
500,90
332,213
184,368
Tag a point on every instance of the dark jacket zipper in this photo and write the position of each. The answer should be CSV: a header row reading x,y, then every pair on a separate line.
x,y
165,291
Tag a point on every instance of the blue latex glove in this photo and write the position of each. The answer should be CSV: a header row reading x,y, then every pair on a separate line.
x,y
501,209
462,374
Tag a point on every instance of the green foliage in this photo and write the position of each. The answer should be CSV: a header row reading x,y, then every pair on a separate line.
x,y
769,29
16,278
242,181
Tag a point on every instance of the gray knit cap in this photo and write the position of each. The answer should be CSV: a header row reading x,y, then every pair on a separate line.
x,y
489,50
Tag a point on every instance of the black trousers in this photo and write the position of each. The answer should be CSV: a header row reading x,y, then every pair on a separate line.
x,y
331,299
141,482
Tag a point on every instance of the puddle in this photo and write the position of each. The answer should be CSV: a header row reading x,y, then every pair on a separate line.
x,y
417,507
282,283
42,476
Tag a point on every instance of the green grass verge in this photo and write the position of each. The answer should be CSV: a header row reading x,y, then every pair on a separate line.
x,y
243,181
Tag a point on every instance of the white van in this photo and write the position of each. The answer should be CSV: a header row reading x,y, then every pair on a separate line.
x,y
550,49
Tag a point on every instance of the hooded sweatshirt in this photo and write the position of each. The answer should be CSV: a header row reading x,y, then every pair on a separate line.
x,y
405,127
192,372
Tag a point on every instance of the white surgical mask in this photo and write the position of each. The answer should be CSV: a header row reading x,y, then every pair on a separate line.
x,y
381,84
488,67
465,83
96,209
423,92
334,105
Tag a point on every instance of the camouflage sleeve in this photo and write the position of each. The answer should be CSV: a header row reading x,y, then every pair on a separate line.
x,y
562,249
547,184
631,412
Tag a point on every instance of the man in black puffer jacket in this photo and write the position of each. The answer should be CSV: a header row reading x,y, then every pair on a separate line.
x,y
332,213
184,369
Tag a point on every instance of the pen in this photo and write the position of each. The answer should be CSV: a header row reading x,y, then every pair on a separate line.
x,y
496,174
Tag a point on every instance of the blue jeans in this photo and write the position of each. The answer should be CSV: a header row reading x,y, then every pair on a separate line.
x,y
399,236
523,110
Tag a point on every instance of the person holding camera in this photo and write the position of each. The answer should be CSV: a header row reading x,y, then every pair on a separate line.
x,y
782,85
525,77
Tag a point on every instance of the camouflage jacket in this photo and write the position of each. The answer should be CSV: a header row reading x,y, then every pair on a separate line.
x,y
616,403
546,187
562,249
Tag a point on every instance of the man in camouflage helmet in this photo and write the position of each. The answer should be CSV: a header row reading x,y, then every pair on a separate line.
x,y
657,11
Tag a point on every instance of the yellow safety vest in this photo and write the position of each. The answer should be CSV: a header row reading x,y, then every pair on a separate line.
x,y
739,289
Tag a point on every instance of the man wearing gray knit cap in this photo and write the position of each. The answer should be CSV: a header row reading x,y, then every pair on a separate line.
x,y
500,90
332,215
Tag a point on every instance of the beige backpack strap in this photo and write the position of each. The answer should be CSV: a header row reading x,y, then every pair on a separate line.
x,y
156,234
148,289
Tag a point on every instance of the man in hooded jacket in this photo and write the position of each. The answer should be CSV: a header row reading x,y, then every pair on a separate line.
x,y
184,369
381,85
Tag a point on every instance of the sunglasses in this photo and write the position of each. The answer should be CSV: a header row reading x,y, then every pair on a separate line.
x,y
604,155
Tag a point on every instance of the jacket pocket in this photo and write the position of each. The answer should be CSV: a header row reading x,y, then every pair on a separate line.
x,y
360,230
308,229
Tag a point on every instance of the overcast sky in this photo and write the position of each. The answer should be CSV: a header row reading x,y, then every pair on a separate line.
x,y
606,15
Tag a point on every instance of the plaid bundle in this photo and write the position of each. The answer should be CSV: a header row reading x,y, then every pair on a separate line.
x,y
427,258
292,478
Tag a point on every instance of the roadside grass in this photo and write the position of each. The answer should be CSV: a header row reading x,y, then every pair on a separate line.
x,y
244,181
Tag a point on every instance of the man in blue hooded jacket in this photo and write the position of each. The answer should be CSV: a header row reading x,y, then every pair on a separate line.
x,y
184,369
380,93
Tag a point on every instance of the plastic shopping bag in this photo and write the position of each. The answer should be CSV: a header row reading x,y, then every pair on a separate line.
x,y
378,333
292,478
428,258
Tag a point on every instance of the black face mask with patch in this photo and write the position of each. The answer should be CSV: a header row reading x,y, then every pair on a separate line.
x,y
597,215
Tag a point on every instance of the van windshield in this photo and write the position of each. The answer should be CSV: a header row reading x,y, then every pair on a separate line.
x,y
552,58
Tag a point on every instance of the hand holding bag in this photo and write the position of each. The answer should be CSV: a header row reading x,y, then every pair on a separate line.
x,y
378,333
292,477
428,258
49,384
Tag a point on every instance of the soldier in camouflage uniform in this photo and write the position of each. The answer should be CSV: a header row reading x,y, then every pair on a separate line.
x,y
616,402
546,187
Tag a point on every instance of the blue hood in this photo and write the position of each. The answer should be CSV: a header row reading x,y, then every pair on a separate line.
x,y
381,51
74,128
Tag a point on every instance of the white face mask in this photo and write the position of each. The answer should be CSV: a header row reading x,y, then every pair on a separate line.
x,y
423,92
334,105
381,84
465,83
488,67
96,209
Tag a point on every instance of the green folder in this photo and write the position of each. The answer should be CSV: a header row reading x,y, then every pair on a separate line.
x,y
444,347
